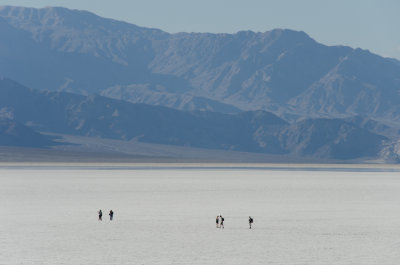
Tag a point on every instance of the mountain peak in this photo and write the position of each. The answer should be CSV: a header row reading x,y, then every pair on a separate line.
x,y
290,35
50,17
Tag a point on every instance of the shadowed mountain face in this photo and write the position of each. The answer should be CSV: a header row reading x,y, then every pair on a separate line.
x,y
252,131
282,71
14,134
97,116
340,139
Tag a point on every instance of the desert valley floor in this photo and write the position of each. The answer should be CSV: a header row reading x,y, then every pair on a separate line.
x,y
166,215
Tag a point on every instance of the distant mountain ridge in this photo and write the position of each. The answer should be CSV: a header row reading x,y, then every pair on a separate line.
x,y
274,92
252,131
282,71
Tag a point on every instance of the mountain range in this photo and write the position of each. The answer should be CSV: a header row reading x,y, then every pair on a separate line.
x,y
250,131
275,92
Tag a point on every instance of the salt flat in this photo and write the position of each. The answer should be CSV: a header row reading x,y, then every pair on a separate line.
x,y
167,216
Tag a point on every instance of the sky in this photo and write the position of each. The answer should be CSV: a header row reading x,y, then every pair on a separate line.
x,y
367,24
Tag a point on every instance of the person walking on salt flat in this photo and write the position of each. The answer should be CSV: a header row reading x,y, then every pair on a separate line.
x,y
250,221
217,221
111,214
100,215
222,221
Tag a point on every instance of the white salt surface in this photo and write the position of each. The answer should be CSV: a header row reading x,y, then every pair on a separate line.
x,y
49,216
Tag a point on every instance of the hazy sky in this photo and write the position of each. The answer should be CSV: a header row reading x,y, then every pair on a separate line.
x,y
369,24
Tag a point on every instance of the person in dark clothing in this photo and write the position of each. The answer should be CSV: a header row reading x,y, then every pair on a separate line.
x,y
222,221
250,221
217,221
100,215
111,214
